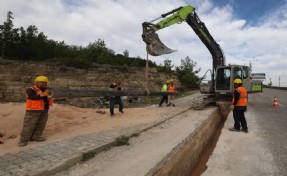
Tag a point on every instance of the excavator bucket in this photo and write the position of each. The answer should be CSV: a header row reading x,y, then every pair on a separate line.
x,y
154,46
157,48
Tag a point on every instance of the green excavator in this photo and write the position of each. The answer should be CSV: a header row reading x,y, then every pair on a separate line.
x,y
222,76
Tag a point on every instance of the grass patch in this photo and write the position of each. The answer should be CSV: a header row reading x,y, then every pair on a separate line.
x,y
122,140
87,156
135,135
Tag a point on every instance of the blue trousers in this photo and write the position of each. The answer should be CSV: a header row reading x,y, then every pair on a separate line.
x,y
116,100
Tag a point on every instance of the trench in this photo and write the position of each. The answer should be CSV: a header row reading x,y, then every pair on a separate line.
x,y
190,157
201,165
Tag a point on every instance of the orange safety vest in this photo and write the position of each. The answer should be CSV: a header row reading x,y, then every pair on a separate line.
x,y
37,105
243,99
171,88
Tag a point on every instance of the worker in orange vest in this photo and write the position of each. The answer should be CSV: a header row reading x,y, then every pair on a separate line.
x,y
171,88
37,105
239,106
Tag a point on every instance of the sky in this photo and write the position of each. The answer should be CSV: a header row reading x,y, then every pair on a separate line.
x,y
248,31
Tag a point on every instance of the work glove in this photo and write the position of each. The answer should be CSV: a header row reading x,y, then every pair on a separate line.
x,y
231,107
46,93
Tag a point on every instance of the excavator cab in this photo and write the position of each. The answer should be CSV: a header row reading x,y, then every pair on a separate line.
x,y
227,74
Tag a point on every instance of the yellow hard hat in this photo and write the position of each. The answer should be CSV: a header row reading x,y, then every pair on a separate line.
x,y
41,79
237,81
171,80
168,81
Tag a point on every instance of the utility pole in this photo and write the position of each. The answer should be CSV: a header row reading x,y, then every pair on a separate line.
x,y
8,20
279,81
250,66
146,73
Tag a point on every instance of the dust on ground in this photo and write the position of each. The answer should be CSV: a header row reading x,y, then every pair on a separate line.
x,y
67,121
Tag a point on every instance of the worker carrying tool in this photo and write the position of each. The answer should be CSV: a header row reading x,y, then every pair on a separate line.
x,y
38,101
116,99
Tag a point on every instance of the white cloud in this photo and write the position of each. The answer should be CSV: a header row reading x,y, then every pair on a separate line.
x,y
118,23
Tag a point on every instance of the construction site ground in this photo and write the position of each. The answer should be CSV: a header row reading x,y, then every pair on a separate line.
x,y
77,134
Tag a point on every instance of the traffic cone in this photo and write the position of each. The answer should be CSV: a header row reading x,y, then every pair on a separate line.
x,y
275,104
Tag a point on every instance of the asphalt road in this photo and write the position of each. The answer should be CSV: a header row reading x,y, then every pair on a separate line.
x,y
263,150
273,123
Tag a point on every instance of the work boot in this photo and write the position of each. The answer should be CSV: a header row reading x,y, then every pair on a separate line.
x,y
39,139
121,111
245,130
233,129
22,143
112,115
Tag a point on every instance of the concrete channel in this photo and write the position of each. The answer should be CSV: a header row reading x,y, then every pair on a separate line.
x,y
185,157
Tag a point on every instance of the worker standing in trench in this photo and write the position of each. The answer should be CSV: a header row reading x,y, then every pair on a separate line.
x,y
239,106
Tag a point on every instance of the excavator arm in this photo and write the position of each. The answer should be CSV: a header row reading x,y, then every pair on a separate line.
x,y
185,13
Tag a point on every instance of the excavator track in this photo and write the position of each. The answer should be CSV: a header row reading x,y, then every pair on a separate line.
x,y
201,102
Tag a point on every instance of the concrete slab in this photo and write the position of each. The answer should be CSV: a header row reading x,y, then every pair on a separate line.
x,y
157,151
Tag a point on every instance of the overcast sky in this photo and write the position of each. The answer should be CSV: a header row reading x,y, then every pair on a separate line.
x,y
248,31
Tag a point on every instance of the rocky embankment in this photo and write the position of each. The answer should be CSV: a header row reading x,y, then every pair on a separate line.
x,y
16,76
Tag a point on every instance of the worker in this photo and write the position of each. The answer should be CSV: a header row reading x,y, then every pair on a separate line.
x,y
116,99
239,106
38,102
164,97
171,88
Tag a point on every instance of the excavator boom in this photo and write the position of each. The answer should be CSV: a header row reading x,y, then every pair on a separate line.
x,y
154,45
187,14
222,76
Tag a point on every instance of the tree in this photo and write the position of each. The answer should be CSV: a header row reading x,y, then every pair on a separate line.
x,y
6,37
270,82
166,67
126,53
187,73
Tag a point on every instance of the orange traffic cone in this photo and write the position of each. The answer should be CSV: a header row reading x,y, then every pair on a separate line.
x,y
275,104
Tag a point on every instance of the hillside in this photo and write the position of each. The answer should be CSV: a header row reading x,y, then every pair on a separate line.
x,y
16,76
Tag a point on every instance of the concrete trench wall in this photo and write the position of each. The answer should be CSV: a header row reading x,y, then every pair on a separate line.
x,y
184,158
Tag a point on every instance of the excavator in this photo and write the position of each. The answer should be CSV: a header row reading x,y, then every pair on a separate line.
x,y
222,75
